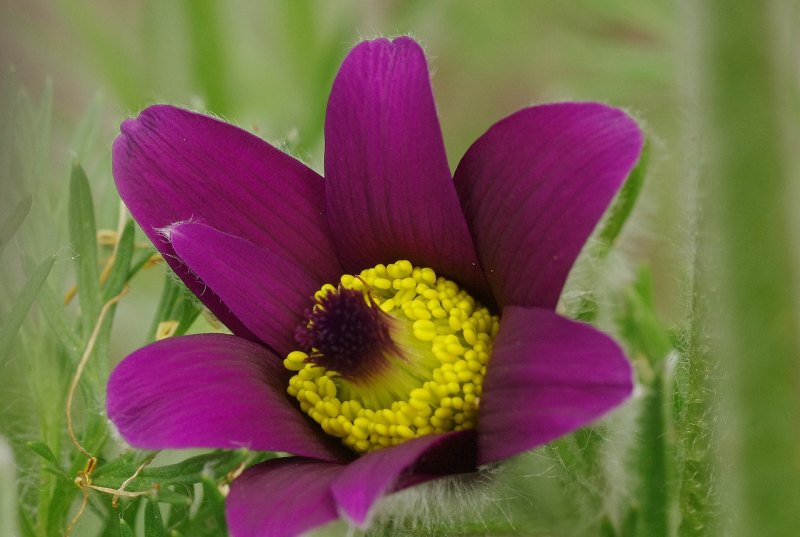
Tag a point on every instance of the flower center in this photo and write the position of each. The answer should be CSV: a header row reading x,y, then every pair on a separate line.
x,y
391,354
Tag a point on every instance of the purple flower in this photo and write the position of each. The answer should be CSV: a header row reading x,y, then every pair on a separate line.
x,y
255,234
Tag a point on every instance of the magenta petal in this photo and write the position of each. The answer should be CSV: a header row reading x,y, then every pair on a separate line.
x,y
547,376
389,193
281,498
534,187
171,165
209,390
370,476
268,293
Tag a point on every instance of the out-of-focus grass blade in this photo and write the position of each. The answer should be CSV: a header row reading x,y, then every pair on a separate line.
x,y
14,220
87,129
140,262
125,530
122,264
25,525
176,304
42,449
22,304
170,294
53,309
8,490
208,56
110,55
189,313
639,323
622,207
609,230
83,235
153,524
654,485
213,505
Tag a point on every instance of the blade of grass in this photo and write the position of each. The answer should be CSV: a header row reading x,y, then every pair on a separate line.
x,y
120,271
21,306
14,220
53,310
208,52
622,206
83,235
153,524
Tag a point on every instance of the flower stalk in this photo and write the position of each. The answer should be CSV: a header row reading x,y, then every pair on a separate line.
x,y
749,182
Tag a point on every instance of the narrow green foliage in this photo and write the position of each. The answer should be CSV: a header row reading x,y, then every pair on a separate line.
x,y
153,524
639,323
52,308
653,491
86,131
609,230
13,221
213,497
120,271
106,51
315,58
622,207
176,304
208,52
650,343
186,472
25,525
125,530
83,236
41,449
21,306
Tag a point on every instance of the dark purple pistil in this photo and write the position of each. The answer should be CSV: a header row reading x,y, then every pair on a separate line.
x,y
346,334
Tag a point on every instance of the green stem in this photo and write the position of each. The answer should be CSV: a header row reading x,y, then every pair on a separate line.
x,y
653,493
757,312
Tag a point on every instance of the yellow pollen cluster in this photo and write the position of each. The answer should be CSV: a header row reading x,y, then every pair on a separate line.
x,y
445,339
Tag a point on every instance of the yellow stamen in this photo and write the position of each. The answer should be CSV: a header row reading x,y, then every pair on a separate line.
x,y
445,338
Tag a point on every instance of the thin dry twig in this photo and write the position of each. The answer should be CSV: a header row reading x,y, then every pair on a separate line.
x,y
82,364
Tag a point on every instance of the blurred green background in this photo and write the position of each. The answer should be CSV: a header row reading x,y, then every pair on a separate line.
x,y
74,69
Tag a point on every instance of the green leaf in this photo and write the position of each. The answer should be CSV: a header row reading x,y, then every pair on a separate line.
x,y
24,523
153,525
22,304
42,449
87,129
639,323
186,472
122,264
190,310
173,498
622,207
653,491
14,220
83,235
125,530
213,505
139,263
53,309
